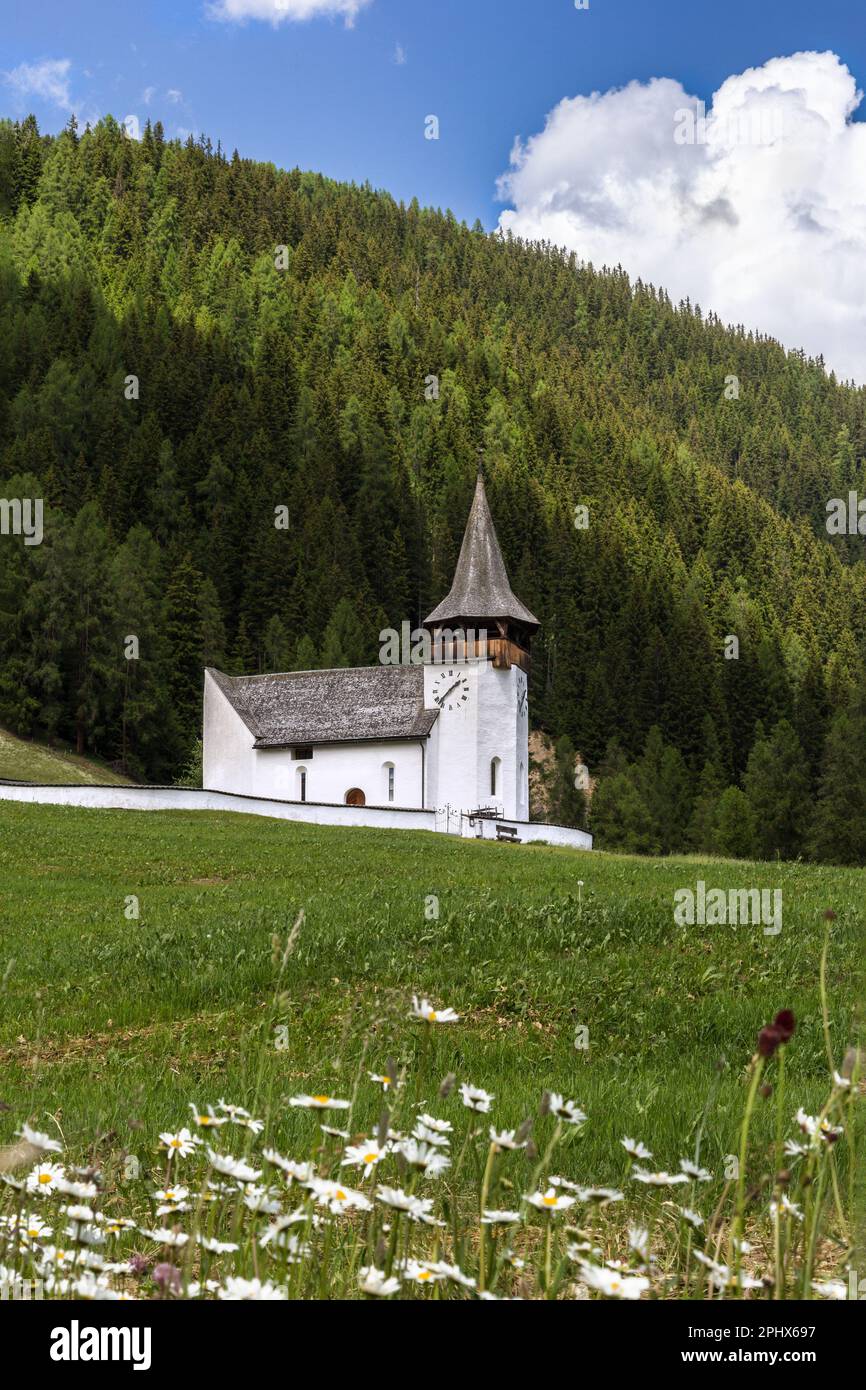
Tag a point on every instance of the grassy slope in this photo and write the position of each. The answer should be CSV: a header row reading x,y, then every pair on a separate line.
x,y
113,1024
23,761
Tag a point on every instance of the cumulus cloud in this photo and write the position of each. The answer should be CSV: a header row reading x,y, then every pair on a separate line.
x,y
281,11
48,80
754,208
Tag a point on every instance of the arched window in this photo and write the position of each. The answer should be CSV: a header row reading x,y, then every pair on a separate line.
x,y
388,769
355,797
301,779
495,765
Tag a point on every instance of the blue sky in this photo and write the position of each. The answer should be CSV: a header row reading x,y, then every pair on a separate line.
x,y
335,99
769,233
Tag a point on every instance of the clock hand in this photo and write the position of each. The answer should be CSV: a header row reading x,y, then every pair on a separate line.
x,y
444,697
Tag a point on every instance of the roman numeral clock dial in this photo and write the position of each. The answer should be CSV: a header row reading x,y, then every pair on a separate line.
x,y
451,690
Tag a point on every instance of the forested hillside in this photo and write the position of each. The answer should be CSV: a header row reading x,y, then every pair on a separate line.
x,y
191,342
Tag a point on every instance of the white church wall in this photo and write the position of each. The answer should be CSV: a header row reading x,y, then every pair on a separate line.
x,y
470,736
231,764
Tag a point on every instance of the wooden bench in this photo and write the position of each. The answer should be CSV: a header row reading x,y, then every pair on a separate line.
x,y
507,832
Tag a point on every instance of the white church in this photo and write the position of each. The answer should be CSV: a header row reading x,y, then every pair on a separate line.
x,y
441,744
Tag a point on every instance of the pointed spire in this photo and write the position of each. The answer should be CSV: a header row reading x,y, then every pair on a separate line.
x,y
481,589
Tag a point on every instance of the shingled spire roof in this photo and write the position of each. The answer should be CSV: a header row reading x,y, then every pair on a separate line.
x,y
481,588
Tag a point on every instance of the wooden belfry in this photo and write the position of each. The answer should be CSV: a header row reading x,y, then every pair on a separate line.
x,y
480,598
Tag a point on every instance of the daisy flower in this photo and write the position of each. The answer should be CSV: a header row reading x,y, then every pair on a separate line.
x,y
843,1083
232,1167
376,1284
500,1218
694,1171
453,1273
439,1126
301,1172
423,1156
44,1178
207,1119
567,1110
415,1273
39,1140
612,1284
172,1194
163,1236
635,1149
476,1099
319,1103
416,1208
251,1290
658,1179
551,1200
336,1197
364,1156
694,1218
423,1009
182,1144
386,1082
786,1207
217,1247
506,1139
829,1288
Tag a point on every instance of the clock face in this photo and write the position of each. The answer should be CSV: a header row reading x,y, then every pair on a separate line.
x,y
451,690
522,697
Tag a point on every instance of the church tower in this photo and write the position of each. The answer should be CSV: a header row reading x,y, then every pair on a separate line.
x,y
477,679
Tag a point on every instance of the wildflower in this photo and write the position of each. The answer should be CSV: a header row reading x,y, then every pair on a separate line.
x,y
336,1197
500,1218
611,1283
423,1009
439,1126
550,1200
638,1242
84,1190
635,1149
32,1227
829,1288
476,1099
694,1171
217,1247
275,1231
335,1133
239,1116
301,1172
658,1179
232,1167
375,1283
453,1273
506,1139
567,1110
163,1236
429,1136
138,1265
786,1207
385,1081
208,1120
602,1195
416,1208
182,1144
423,1156
694,1218
319,1103
785,1024
39,1140
843,1082
116,1225
172,1194
795,1150
263,1199
44,1178
415,1273
250,1290
167,1277
364,1156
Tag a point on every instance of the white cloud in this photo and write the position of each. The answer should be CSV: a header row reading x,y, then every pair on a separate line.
x,y
762,219
399,55
174,96
282,11
48,79
148,95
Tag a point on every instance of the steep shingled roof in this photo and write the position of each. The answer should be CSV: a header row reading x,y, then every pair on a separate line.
x,y
341,706
481,588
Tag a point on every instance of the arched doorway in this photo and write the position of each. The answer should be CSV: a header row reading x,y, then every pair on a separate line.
x,y
355,797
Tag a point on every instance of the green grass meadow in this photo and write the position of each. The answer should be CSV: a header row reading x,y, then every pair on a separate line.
x,y
110,1026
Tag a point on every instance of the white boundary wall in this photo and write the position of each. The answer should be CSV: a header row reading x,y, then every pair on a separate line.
x,y
308,812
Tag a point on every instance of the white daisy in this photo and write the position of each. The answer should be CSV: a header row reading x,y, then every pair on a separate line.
x,y
550,1200
694,1171
424,1156
423,1009
658,1179
567,1110
319,1103
217,1247
499,1218
163,1236
417,1273
232,1167
506,1139
476,1099
376,1284
207,1119
336,1197
182,1144
251,1291
39,1140
829,1288
612,1284
365,1156
635,1149
44,1178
